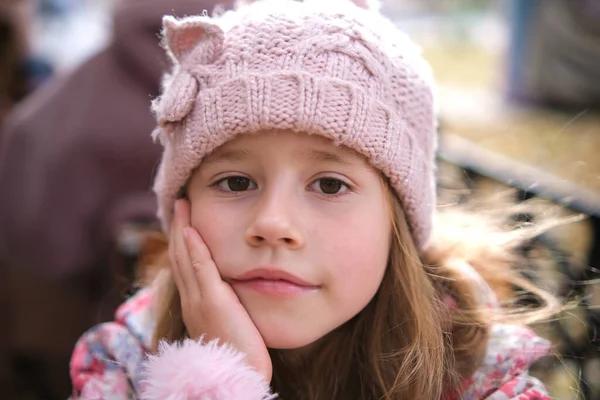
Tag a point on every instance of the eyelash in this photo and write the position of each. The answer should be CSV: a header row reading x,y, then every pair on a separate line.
x,y
348,187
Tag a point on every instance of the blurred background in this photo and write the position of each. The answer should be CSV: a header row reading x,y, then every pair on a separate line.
x,y
519,87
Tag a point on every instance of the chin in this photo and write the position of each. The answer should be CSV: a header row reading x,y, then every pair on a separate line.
x,y
287,335
282,339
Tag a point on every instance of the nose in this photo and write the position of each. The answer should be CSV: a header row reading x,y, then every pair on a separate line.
x,y
273,224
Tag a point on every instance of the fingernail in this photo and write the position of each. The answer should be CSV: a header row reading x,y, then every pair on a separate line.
x,y
176,206
186,233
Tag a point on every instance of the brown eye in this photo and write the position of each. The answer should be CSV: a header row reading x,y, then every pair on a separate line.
x,y
330,186
238,183
235,184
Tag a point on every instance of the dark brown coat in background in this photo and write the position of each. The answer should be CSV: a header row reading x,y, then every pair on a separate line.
x,y
76,163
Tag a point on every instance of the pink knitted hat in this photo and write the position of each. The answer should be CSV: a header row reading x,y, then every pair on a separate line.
x,y
326,67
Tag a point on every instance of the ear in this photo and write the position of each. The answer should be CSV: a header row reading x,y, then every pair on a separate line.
x,y
183,35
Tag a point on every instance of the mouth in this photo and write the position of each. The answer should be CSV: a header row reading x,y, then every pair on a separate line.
x,y
270,281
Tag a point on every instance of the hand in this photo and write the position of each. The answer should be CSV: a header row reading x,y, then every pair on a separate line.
x,y
209,305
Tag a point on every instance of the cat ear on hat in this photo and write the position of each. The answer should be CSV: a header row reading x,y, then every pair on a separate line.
x,y
182,36
192,43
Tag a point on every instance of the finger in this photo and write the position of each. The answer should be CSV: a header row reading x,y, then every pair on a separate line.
x,y
173,261
204,268
171,248
178,253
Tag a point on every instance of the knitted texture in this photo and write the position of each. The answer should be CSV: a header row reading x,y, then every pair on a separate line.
x,y
322,67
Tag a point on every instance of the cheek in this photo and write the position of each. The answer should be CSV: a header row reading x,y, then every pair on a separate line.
x,y
358,256
216,226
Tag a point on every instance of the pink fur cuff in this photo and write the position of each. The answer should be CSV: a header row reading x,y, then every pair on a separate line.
x,y
191,370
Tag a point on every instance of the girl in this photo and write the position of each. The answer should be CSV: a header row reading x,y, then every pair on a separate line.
x,y
304,260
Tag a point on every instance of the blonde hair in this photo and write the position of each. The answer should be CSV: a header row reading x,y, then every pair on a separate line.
x,y
406,338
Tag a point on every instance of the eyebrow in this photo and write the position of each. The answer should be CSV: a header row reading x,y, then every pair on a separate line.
x,y
227,155
309,154
325,156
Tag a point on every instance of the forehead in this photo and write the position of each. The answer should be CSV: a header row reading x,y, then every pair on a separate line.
x,y
309,146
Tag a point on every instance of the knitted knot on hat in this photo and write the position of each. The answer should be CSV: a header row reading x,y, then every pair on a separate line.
x,y
322,67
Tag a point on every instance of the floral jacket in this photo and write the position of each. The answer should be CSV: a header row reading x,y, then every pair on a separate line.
x,y
110,361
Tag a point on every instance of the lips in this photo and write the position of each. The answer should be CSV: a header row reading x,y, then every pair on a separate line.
x,y
268,274
273,282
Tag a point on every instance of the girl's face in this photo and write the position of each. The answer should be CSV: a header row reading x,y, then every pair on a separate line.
x,y
300,228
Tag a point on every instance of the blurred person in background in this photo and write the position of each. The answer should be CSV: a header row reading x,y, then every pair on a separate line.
x,y
13,50
69,182
555,53
13,87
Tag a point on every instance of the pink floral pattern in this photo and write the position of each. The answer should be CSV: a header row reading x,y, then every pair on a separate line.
x,y
108,361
